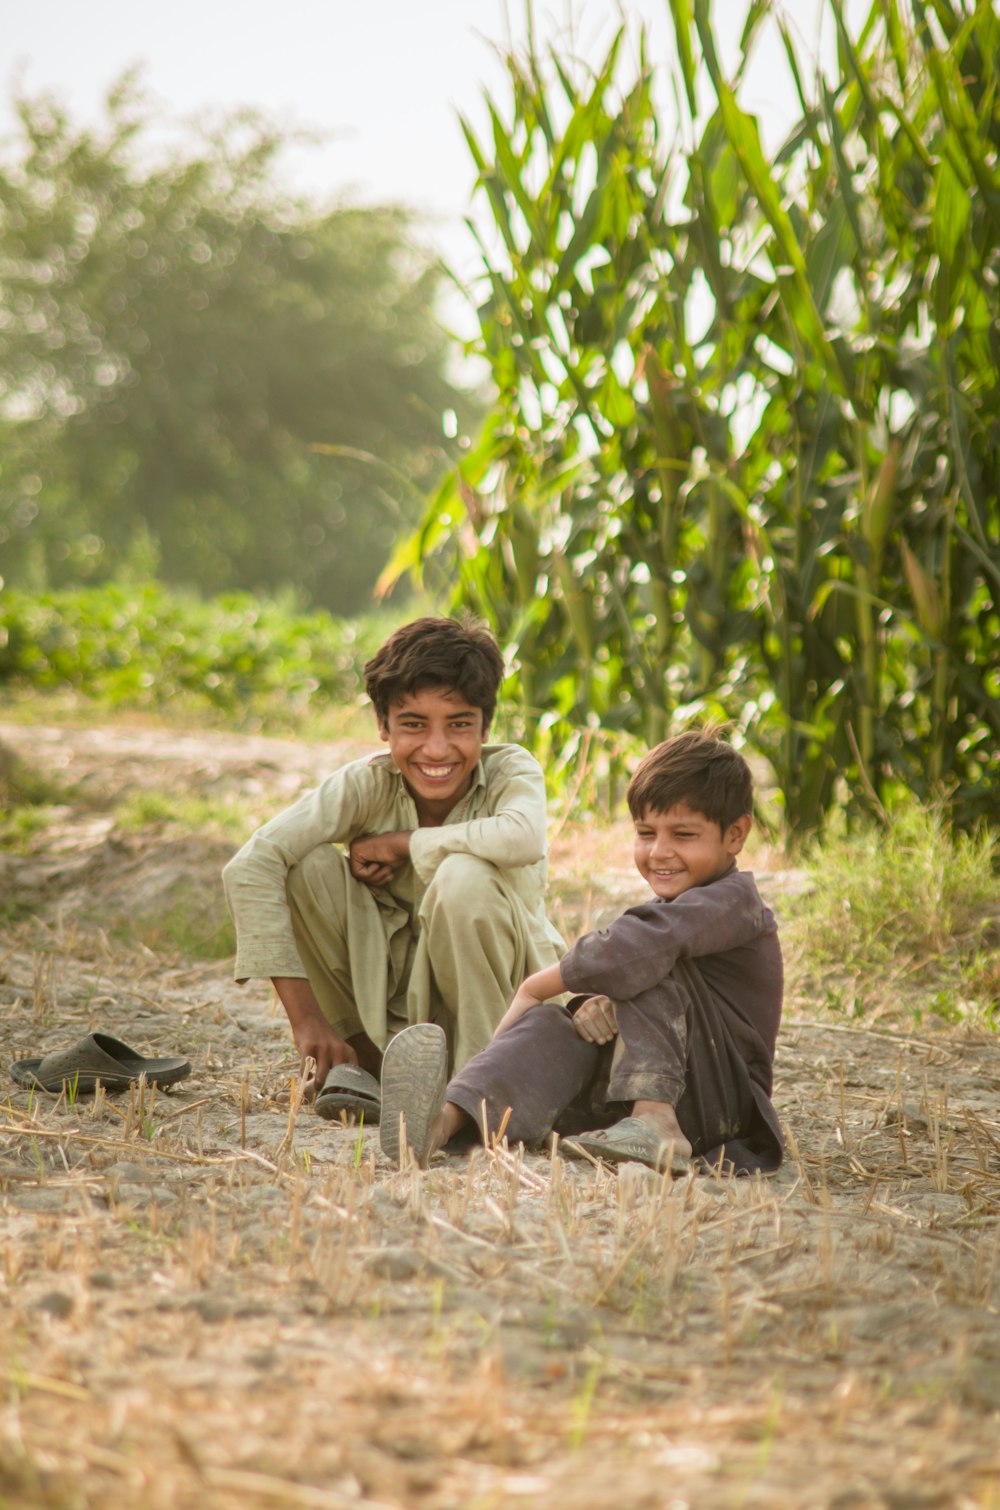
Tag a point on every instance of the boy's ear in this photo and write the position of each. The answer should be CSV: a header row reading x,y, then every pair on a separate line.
x,y
737,834
383,727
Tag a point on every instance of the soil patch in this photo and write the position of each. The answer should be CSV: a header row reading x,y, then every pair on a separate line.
x,y
212,1297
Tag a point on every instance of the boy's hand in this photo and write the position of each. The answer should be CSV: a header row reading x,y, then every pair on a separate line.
x,y
596,1020
375,858
313,1035
318,1041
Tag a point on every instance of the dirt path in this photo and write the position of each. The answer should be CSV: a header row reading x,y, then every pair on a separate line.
x,y
212,1300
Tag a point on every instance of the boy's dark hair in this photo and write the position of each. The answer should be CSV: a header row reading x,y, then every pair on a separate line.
x,y
696,768
436,652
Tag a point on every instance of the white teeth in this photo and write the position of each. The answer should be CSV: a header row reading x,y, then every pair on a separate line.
x,y
435,770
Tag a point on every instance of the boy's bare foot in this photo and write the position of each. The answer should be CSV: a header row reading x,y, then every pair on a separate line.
x,y
661,1116
445,1125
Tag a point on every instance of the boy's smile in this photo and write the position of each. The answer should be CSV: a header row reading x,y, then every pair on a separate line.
x,y
681,848
435,738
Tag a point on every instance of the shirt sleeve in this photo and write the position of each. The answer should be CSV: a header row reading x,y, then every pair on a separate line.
x,y
642,946
512,833
254,880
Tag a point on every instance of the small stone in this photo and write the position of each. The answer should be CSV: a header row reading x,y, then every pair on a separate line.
x,y
39,1198
402,1263
131,1174
56,1303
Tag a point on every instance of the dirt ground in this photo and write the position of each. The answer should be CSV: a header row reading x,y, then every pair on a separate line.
x,y
213,1298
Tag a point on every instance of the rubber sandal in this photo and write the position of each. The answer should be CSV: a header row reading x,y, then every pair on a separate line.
x,y
97,1060
414,1075
349,1088
630,1141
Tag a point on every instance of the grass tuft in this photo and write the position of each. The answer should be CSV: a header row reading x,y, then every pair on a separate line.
x,y
27,798
911,902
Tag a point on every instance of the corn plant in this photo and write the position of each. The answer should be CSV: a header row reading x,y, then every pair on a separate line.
x,y
745,448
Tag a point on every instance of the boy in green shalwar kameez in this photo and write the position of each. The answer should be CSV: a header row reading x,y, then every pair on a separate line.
x,y
408,887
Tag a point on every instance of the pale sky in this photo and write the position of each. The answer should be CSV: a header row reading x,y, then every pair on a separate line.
x,y
387,76
385,79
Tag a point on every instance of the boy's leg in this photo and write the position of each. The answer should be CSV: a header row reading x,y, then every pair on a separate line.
x,y
538,1068
355,949
473,951
676,1046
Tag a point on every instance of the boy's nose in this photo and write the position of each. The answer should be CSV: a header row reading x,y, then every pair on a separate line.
x,y
436,743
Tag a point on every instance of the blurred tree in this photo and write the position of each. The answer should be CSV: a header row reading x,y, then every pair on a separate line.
x,y
176,335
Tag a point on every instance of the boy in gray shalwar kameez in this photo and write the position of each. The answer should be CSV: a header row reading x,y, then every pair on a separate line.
x,y
666,1052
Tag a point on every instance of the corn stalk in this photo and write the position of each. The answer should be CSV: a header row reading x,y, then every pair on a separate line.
x,y
790,518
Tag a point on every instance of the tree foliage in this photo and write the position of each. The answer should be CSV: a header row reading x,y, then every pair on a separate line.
x,y
745,456
175,336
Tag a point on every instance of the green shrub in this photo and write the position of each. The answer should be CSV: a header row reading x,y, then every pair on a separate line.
x,y
147,647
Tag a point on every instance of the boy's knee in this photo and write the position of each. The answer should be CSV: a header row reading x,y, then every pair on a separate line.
x,y
322,871
467,884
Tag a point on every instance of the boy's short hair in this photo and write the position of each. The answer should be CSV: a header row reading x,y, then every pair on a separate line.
x,y
436,652
696,768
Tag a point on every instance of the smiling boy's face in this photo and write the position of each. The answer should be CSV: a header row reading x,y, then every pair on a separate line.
x,y
435,736
681,848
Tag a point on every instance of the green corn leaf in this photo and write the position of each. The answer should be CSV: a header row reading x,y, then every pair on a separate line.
x,y
683,16
510,172
742,132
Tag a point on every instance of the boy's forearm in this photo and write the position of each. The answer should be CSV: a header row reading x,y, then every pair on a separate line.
x,y
544,984
541,986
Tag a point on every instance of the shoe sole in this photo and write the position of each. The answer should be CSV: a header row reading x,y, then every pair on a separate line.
x,y
414,1075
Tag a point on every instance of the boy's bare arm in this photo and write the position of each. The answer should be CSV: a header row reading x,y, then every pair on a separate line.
x,y
313,1035
542,986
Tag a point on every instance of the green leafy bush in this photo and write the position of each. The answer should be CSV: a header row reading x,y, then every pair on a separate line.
x,y
146,647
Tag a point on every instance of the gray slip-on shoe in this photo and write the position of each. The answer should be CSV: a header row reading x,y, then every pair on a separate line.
x,y
631,1141
350,1089
98,1059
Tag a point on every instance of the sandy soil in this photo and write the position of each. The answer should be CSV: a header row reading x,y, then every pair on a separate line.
x,y
211,1297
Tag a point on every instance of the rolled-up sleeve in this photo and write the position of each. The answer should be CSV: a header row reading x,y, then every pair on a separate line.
x,y
642,946
511,833
254,879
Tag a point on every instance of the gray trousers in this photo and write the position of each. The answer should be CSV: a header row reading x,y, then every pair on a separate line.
x,y
676,1043
377,965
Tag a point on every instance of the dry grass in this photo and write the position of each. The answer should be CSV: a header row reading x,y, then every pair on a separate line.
x,y
211,1297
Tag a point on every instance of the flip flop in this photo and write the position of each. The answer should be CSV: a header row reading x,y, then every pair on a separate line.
x,y
414,1075
629,1141
97,1060
349,1088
